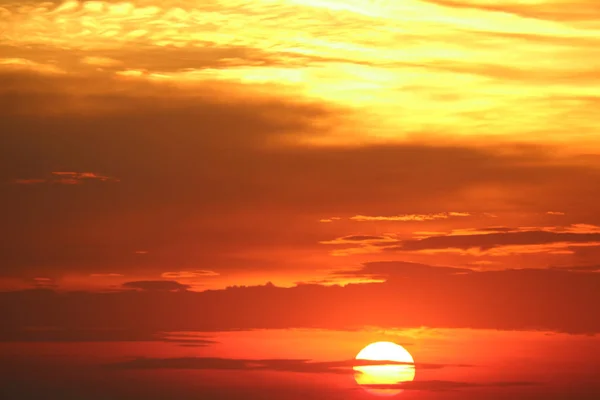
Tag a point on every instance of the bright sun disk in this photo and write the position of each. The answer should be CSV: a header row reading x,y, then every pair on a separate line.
x,y
389,374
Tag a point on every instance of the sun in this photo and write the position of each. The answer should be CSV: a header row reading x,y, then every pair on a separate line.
x,y
389,374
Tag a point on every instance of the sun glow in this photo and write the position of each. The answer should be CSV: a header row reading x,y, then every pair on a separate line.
x,y
384,374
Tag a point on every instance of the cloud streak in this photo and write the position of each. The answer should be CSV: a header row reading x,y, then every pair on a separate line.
x,y
284,365
410,217
156,285
67,178
501,243
492,241
442,386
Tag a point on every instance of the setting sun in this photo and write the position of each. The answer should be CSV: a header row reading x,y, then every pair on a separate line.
x,y
368,375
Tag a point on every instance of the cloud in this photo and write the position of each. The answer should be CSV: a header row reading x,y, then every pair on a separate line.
x,y
156,285
579,228
363,238
439,385
325,220
411,295
411,217
189,274
64,334
287,365
44,283
228,187
101,61
478,231
20,64
67,178
80,176
492,241
28,181
229,364
244,124
73,335
358,239
349,63
545,10
387,270
520,241
195,342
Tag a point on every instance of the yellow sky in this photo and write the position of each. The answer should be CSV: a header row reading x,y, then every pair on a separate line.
x,y
518,70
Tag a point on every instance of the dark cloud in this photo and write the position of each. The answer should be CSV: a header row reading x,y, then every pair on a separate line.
x,y
66,333
363,238
287,365
204,175
438,385
189,341
156,285
492,240
496,229
66,178
387,270
62,334
59,378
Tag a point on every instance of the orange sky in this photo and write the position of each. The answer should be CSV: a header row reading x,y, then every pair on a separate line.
x,y
450,364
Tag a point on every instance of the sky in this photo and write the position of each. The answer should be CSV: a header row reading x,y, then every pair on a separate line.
x,y
285,166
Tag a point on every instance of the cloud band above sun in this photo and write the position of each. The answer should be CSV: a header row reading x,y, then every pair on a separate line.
x,y
512,70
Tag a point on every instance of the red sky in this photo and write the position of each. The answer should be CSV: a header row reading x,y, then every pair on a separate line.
x,y
286,164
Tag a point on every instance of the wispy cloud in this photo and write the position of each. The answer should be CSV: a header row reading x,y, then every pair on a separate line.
x,y
189,274
326,220
81,176
490,241
361,239
20,64
410,217
288,365
29,181
442,386
101,61
44,283
501,241
359,244
67,178
158,285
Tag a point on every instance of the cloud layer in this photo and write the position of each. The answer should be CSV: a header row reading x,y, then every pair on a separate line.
x,y
518,69
412,295
207,178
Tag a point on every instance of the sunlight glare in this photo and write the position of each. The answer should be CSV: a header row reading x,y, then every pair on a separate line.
x,y
384,374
